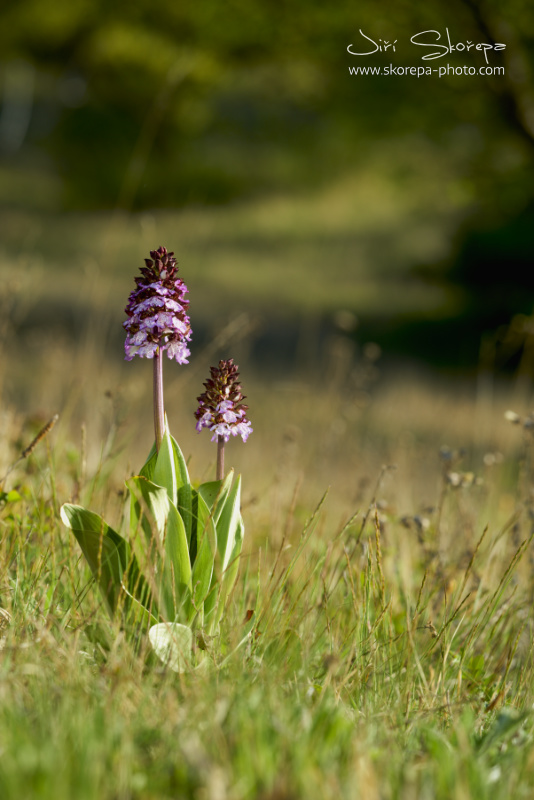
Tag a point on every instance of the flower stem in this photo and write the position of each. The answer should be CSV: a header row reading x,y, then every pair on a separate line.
x,y
159,413
220,458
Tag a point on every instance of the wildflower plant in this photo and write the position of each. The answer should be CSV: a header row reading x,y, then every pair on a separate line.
x,y
170,569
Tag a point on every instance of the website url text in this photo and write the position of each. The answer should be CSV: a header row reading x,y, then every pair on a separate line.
x,y
418,72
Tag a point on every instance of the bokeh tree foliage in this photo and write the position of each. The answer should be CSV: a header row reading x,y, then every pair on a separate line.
x,y
161,103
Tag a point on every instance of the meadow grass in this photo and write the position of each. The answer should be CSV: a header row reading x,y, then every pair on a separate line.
x,y
391,587
389,578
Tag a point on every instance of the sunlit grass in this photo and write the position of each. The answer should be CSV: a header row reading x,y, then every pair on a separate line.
x,y
392,652
387,557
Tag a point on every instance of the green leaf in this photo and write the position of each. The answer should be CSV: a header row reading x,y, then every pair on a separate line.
x,y
181,468
178,565
229,576
182,475
173,645
215,493
168,469
168,446
185,507
107,553
165,468
148,514
149,506
228,523
158,537
183,498
147,471
230,532
206,551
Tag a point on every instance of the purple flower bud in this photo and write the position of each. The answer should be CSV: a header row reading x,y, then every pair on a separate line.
x,y
157,311
221,407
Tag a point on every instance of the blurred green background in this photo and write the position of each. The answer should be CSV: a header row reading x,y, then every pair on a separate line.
x,y
391,209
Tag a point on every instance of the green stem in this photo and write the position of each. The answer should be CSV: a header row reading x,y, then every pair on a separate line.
x,y
159,413
220,458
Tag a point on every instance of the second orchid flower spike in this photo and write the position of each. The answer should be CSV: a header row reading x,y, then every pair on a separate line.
x,y
221,408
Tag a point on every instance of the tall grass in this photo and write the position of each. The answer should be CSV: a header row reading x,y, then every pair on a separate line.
x,y
390,586
387,565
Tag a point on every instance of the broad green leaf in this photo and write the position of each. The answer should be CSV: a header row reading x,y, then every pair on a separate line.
x,y
147,470
177,564
231,570
227,524
165,521
230,532
182,475
210,605
149,466
168,469
215,493
107,553
185,508
148,514
230,574
165,468
165,553
173,645
206,551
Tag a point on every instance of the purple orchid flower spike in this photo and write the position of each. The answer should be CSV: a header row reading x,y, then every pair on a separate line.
x,y
158,322
221,409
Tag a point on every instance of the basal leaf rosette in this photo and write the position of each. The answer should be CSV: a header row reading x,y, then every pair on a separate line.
x,y
173,566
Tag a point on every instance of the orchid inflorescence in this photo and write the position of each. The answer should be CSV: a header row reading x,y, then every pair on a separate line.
x,y
221,407
157,319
